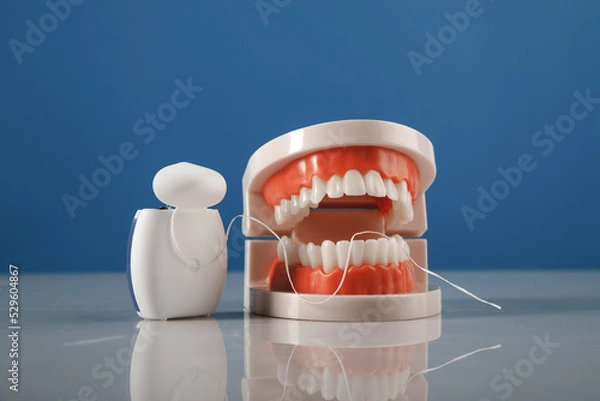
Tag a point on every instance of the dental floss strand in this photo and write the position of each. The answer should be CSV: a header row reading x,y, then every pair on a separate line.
x,y
462,289
287,370
190,263
194,266
186,185
451,361
421,372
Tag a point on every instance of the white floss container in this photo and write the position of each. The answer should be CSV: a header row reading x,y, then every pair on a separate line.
x,y
178,256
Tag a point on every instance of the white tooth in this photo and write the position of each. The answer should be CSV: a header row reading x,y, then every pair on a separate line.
x,y
358,388
354,185
294,371
403,248
397,210
314,254
382,251
301,381
291,219
391,191
383,387
393,254
403,381
390,386
319,189
410,213
341,388
401,189
292,251
305,194
307,381
403,193
329,256
303,254
280,245
406,248
278,215
335,187
342,248
370,255
402,208
294,204
372,389
394,381
317,383
407,198
375,185
358,249
285,209
302,213
329,384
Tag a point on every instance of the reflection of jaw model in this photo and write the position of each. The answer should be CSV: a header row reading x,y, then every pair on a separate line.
x,y
303,360
316,187
178,360
364,373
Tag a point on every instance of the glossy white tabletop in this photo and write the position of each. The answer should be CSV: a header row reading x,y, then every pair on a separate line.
x,y
78,334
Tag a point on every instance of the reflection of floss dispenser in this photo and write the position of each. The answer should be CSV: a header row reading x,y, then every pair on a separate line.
x,y
317,186
178,360
178,255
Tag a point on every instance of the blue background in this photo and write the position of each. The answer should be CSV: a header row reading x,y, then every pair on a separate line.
x,y
514,69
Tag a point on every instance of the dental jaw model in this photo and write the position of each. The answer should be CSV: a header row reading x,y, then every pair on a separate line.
x,y
317,187
178,256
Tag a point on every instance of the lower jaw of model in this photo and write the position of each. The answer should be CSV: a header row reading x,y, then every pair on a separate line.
x,y
329,196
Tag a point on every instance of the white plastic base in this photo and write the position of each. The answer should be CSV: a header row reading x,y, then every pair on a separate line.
x,y
347,308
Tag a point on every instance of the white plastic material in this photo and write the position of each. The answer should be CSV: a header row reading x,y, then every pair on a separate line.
x,y
186,185
178,257
347,308
280,151
260,253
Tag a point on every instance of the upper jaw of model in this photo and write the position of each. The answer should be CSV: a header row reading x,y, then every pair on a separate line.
x,y
319,185
352,184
